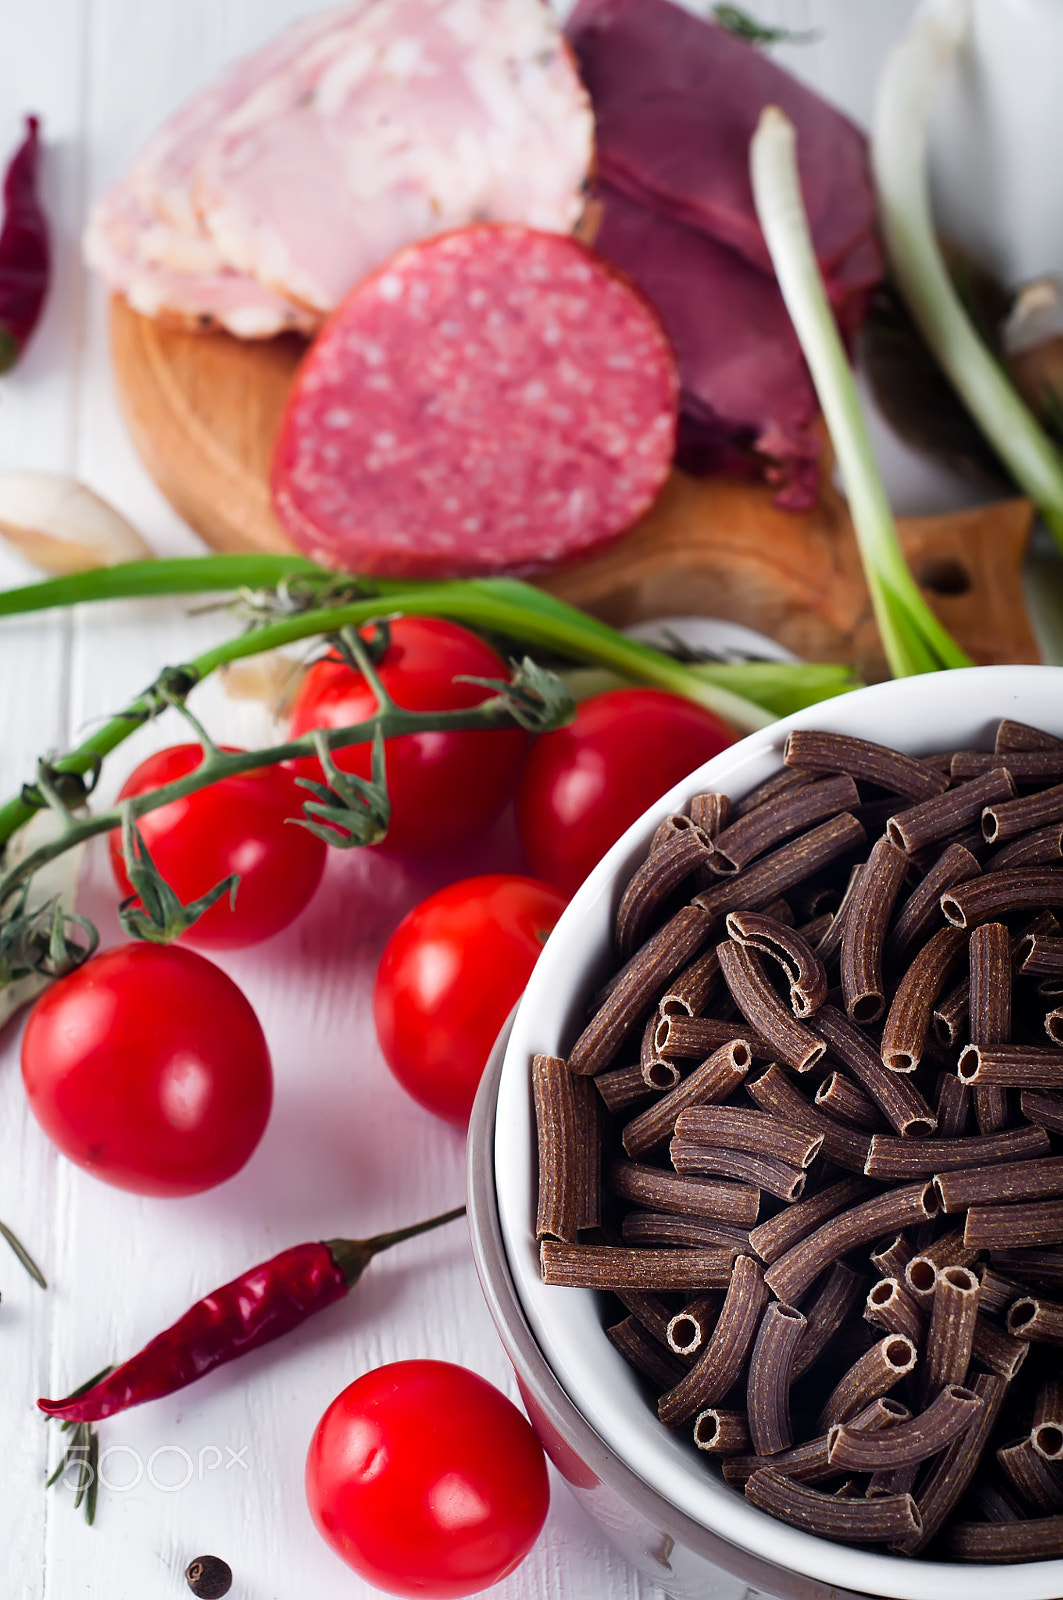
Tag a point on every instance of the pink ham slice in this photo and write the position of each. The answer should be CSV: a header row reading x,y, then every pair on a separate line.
x,y
493,400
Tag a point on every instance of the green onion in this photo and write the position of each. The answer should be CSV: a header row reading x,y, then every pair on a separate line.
x,y
899,163
913,638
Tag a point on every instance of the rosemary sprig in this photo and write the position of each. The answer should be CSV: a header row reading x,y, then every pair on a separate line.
x,y
23,1255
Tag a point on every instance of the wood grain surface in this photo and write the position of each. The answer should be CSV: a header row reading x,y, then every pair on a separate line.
x,y
203,410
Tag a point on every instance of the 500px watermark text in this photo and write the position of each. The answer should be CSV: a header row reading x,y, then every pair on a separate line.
x,y
170,1467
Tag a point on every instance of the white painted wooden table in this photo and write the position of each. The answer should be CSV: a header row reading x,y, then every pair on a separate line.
x,y
346,1151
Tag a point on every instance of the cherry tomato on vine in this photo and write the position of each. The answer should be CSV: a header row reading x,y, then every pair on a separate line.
x,y
427,1480
240,824
445,788
148,1067
450,974
583,785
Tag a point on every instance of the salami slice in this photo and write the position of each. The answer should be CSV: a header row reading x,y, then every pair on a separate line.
x,y
493,400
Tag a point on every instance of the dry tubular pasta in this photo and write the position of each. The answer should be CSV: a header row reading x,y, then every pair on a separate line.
x,y
744,975
904,1035
826,1313
920,1276
702,1160
644,1353
864,933
891,1255
1054,1025
773,1238
1012,735
953,1106
723,1432
1038,1482
952,1014
922,910
791,864
689,1328
622,1088
812,932
892,1480
1025,766
690,992
1041,955
668,830
646,974
994,1502
721,1362
1043,1107
1040,1321
876,1372
650,886
785,779
991,1109
860,758
562,1120
951,1471
1012,1066
1038,1539
853,1521
997,1351
663,1228
1046,1430
831,942
996,894
770,1370
713,1081
807,1463
950,1334
840,1098
652,1310
989,958
1000,1227
665,1191
997,1291
846,1147
679,1038
1018,1180
802,967
1004,820
891,1158
711,813
948,1250
735,1128
899,1101
1037,849
610,1266
656,1074
890,1306
790,1276
948,813
1041,1267
953,1410
778,818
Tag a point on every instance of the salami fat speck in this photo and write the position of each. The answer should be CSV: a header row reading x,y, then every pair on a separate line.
x,y
493,400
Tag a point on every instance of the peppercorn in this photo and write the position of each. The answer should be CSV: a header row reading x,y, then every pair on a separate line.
x,y
209,1577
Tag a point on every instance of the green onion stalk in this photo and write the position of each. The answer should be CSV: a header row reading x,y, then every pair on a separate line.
x,y
913,638
900,126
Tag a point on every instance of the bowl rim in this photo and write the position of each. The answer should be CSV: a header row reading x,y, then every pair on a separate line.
x,y
898,712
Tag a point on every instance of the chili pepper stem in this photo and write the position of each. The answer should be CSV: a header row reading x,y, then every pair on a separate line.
x,y
352,1256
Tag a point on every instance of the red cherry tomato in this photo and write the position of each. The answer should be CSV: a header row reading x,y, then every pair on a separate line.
x,y
583,785
148,1067
445,788
450,974
239,825
426,1480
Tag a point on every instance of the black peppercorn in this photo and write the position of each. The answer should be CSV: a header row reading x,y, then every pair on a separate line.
x,y
209,1577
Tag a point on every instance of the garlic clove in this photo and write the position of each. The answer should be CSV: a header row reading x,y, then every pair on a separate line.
x,y
272,679
62,526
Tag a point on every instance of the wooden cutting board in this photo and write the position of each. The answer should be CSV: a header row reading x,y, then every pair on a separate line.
x,y
203,410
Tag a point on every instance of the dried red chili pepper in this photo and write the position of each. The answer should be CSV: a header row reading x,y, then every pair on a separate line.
x,y
25,257
260,1305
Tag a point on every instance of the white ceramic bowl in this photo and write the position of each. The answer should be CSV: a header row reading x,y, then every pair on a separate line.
x,y
919,715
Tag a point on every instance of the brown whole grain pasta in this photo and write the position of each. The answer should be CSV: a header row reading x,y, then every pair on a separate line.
x,y
566,1124
667,1229
779,817
1036,1319
656,1073
744,975
1001,1185
947,1250
667,1191
921,912
605,1266
713,1081
802,968
864,934
725,1355
623,1088
770,1373
899,1101
845,1146
997,894
1044,1107
948,813
879,1521
644,1353
689,1329
722,1432
952,1013
781,869
1041,1267
893,1159
792,1273
875,1373
1025,766
807,1463
1038,1539
779,783
908,1021
950,1472
680,1038
650,887
953,1106
891,1255
989,957
947,1416
711,813
891,1307
735,1128
775,1237
765,1172
997,1291
1012,1066
1046,1430
691,990
950,1333
839,1097
1038,1222
826,1314
1037,849
1004,820
865,760
996,1350
830,942
1041,955
1012,735
1038,1482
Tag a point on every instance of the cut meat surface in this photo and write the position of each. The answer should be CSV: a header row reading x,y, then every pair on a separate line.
x,y
493,400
